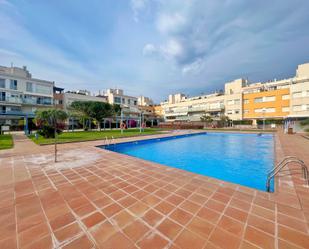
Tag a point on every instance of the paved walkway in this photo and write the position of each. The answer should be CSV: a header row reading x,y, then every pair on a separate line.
x,y
94,198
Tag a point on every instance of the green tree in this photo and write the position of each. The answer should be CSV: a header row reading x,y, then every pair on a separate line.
x,y
94,110
99,110
80,109
51,122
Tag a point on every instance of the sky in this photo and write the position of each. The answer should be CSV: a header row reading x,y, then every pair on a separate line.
x,y
154,47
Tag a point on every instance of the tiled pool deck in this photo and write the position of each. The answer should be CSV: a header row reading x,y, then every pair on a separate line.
x,y
95,198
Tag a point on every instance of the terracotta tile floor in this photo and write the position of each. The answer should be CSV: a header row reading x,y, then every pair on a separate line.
x,y
94,198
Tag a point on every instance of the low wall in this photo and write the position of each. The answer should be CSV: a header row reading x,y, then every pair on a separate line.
x,y
182,125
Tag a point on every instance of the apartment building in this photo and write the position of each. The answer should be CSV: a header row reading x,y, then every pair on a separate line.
x,y
21,95
182,108
129,104
299,93
278,99
233,99
266,101
286,99
80,95
144,101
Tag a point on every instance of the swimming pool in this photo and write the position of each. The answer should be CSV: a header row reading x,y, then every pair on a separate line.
x,y
238,158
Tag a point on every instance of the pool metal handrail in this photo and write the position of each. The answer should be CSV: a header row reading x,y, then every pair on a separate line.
x,y
285,161
110,141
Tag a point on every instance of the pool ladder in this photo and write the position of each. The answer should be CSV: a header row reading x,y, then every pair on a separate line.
x,y
279,168
109,141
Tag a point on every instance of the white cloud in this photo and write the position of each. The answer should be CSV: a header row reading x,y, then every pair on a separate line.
x,y
149,49
194,68
170,23
172,50
137,6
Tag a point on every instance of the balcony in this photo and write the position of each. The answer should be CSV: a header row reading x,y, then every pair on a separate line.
x,y
12,100
35,102
16,113
218,107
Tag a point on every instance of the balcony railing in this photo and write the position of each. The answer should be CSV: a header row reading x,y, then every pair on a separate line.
x,y
16,113
24,101
11,100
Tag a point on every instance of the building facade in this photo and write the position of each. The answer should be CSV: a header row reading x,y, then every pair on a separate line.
x,y
144,101
129,104
21,95
276,99
80,95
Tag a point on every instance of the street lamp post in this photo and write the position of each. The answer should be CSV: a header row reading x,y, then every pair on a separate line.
x,y
140,123
121,125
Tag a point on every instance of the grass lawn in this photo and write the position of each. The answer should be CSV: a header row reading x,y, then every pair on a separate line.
x,y
6,142
79,136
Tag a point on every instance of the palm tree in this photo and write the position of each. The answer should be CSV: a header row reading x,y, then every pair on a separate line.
x,y
51,119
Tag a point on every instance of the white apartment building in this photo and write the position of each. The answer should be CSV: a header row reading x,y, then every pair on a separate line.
x,y
181,108
129,104
21,95
80,95
144,101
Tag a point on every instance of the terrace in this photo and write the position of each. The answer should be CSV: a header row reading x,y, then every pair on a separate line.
x,y
94,198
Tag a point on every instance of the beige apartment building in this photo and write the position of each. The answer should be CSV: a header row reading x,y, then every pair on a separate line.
x,y
286,99
181,108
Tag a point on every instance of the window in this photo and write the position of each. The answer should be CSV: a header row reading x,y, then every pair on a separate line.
x,y
44,101
269,98
29,87
230,102
285,109
285,97
2,83
246,111
258,100
270,110
123,101
303,107
117,100
297,94
229,112
296,108
13,84
43,89
15,109
3,109
246,101
236,111
2,96
236,101
135,102
129,101
258,110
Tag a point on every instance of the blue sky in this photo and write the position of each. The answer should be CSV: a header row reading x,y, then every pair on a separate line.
x,y
154,47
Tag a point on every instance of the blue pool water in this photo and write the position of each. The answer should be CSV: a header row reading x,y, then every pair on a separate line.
x,y
239,158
